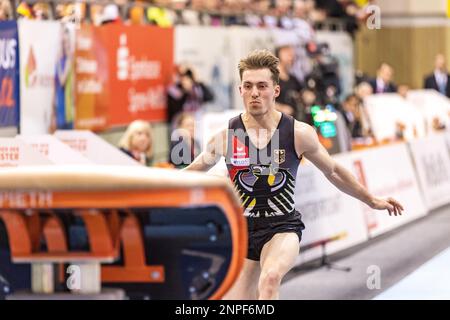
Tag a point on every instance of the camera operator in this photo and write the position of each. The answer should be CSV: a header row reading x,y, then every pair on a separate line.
x,y
324,77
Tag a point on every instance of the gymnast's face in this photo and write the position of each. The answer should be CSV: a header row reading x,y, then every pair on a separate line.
x,y
258,91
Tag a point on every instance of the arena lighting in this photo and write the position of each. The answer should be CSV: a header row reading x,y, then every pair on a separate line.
x,y
324,120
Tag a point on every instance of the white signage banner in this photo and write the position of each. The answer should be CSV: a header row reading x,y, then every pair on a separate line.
x,y
389,113
39,44
447,138
334,221
434,107
94,148
432,161
15,153
55,150
387,172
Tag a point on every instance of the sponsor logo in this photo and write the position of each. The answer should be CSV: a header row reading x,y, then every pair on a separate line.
x,y
241,162
30,69
133,68
32,77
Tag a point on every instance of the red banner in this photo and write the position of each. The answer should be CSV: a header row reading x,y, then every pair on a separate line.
x,y
92,89
134,67
141,67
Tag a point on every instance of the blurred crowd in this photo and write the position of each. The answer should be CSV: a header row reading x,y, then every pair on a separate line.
x,y
302,88
256,13
321,88
187,95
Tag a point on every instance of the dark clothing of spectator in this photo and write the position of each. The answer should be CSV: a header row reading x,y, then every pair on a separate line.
x,y
337,9
147,160
290,91
179,100
354,125
332,7
439,82
379,87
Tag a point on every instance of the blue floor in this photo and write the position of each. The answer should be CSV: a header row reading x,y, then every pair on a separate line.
x,y
430,281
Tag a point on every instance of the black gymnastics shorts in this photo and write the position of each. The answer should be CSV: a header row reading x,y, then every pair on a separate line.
x,y
261,230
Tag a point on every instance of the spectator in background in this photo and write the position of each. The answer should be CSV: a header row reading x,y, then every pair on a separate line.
x,y
179,4
290,87
360,76
160,17
260,7
254,16
136,15
383,82
324,76
41,11
5,10
283,11
24,11
186,94
355,117
439,80
304,33
110,14
438,124
183,141
345,10
308,99
363,90
60,11
403,90
137,142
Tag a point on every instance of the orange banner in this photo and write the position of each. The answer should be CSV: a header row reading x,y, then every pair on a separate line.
x,y
124,74
92,89
141,64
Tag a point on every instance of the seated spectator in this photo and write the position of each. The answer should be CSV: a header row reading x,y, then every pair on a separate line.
x,y
363,90
41,11
400,128
24,11
5,10
355,117
383,82
308,99
160,17
183,146
437,124
186,94
60,11
179,5
110,14
96,14
439,80
137,142
136,15
361,76
403,90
